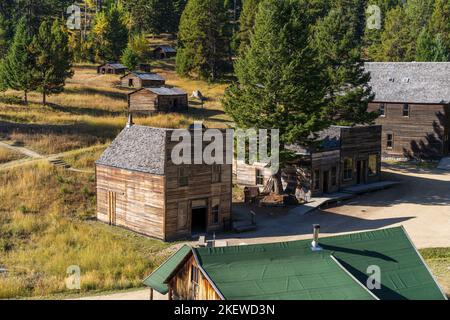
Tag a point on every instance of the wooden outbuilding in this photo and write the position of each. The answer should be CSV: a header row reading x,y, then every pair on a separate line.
x,y
139,80
112,68
141,189
145,67
148,101
164,52
335,270
413,99
342,157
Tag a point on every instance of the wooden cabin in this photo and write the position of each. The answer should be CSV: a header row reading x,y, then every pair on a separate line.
x,y
145,67
164,52
141,189
112,68
335,270
342,157
413,99
139,80
149,101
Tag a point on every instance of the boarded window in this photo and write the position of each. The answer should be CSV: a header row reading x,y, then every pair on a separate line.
x,y
183,177
373,165
259,177
194,274
215,211
216,173
406,110
182,214
389,140
334,176
382,110
316,179
348,169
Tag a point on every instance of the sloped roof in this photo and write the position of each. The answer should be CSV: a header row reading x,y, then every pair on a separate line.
x,y
137,148
146,76
166,48
163,91
114,65
410,82
327,139
158,278
291,270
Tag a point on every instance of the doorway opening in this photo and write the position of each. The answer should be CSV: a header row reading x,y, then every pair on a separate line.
x,y
361,171
326,178
199,220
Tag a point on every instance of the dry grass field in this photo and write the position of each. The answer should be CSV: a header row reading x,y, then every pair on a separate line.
x,y
47,215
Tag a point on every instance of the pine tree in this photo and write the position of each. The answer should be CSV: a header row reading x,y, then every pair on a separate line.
x,y
53,59
203,44
19,61
440,25
279,80
338,42
130,58
246,23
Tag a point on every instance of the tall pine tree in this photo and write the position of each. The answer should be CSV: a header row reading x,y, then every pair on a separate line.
x,y
279,80
338,39
440,25
246,23
203,44
53,59
19,61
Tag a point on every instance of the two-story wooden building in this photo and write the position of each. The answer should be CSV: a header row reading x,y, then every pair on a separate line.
x,y
140,188
148,101
413,99
342,157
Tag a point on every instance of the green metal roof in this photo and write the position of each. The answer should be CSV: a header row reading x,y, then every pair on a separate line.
x,y
157,280
292,271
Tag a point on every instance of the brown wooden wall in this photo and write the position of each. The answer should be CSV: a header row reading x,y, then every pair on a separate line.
x,y
246,174
200,187
139,83
182,287
147,102
110,70
419,135
138,200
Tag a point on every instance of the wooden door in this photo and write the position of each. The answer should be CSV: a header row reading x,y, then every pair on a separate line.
x,y
112,199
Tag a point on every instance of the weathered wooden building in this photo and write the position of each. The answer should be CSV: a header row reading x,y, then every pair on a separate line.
x,y
140,188
112,68
139,80
342,157
335,270
164,52
413,99
157,100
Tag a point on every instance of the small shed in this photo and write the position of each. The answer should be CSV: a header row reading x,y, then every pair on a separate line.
x,y
145,67
157,100
164,52
139,80
112,68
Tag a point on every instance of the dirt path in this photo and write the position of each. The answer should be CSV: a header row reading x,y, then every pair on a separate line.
x,y
143,294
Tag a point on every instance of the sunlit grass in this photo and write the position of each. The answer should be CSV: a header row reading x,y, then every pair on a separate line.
x,y
7,155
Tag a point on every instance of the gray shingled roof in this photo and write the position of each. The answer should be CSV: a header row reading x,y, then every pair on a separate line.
x,y
115,65
147,76
163,91
410,82
166,48
328,139
138,148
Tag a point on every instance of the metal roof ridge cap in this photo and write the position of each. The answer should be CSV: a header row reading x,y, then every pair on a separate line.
x,y
206,275
424,263
352,276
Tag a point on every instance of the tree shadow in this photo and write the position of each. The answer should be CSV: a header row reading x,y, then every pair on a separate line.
x,y
432,146
95,91
86,111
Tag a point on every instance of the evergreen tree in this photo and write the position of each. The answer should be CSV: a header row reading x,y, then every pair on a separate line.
x,y
279,80
246,23
53,59
203,44
440,25
19,61
338,42
130,58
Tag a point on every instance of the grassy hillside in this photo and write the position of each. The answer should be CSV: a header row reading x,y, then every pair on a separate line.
x,y
47,215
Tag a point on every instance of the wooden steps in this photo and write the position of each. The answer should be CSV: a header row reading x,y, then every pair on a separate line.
x,y
57,162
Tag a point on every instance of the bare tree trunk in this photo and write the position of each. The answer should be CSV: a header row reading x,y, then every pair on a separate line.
x,y
25,96
44,98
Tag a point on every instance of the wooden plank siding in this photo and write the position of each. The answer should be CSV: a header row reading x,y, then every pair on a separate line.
x,y
147,102
183,288
139,83
139,200
422,134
